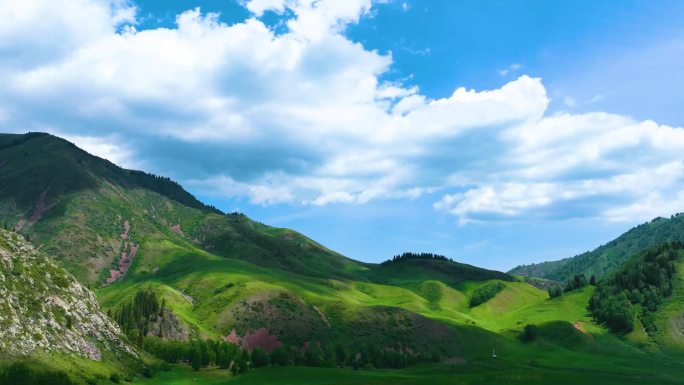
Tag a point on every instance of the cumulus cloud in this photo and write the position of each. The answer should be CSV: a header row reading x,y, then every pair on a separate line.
x,y
302,117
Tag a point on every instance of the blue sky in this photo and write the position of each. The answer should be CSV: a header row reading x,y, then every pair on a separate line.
x,y
496,133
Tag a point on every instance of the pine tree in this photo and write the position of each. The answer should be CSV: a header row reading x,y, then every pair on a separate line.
x,y
279,356
259,358
340,354
196,358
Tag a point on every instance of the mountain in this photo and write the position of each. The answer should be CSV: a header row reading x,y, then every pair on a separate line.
x,y
93,216
175,273
124,231
609,257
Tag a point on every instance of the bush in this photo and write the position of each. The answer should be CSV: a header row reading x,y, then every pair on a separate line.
x,y
555,292
259,358
21,373
486,292
530,333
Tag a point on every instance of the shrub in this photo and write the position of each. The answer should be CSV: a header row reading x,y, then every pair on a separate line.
x,y
486,292
530,333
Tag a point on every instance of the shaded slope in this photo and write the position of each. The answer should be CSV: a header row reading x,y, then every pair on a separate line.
x,y
607,258
416,270
76,205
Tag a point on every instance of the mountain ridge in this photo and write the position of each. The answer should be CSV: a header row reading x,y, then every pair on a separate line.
x,y
611,255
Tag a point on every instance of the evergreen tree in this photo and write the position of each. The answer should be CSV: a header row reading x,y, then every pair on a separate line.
x,y
259,358
235,368
340,354
280,356
196,357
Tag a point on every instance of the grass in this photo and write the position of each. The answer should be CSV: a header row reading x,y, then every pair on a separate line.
x,y
222,266
501,373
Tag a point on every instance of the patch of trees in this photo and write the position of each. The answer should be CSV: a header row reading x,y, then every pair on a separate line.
x,y
577,282
529,333
205,353
636,289
136,316
486,292
555,291
200,353
405,256
21,373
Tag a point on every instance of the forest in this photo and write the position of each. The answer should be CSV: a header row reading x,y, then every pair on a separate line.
x,y
636,289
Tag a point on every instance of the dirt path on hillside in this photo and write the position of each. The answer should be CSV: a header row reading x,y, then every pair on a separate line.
x,y
579,325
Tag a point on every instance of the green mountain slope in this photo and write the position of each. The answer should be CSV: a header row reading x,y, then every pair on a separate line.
x,y
607,258
87,212
125,232
644,298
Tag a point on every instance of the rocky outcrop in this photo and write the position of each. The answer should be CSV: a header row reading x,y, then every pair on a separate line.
x,y
169,326
44,309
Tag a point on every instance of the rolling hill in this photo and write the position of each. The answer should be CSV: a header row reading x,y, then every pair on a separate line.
x,y
609,257
124,231
226,277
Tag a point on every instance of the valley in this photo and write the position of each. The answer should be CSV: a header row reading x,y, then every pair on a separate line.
x,y
177,274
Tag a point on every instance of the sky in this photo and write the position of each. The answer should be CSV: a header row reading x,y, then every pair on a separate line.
x,y
494,132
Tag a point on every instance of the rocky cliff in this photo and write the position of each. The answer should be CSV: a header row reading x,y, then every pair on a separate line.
x,y
44,308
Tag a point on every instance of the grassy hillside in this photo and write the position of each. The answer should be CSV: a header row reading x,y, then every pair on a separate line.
x,y
607,258
76,207
226,274
483,374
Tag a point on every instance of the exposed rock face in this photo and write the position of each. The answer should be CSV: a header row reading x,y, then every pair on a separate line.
x,y
169,326
44,308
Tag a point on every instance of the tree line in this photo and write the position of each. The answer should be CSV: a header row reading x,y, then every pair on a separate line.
x,y
636,289
135,317
577,282
218,353
21,373
408,255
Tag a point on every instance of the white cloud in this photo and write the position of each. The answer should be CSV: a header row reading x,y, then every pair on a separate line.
x,y
111,148
511,69
302,117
